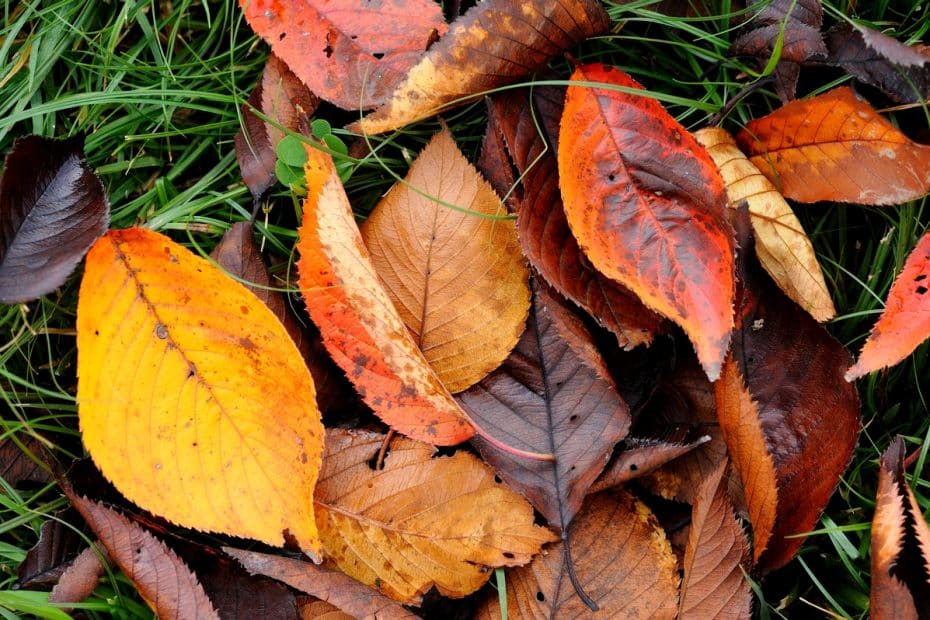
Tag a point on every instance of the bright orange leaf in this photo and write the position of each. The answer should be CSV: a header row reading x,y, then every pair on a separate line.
x,y
647,206
192,398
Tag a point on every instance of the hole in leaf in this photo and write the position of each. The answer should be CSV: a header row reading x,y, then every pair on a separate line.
x,y
281,37
920,278
378,55
540,597
508,555
498,479
573,417
328,50
921,290
611,178
634,467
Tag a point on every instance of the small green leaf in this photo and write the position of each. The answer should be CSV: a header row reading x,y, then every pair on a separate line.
x,y
290,150
321,128
335,144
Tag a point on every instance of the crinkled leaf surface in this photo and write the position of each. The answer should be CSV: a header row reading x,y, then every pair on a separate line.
x,y
422,520
905,321
552,395
494,43
353,52
52,209
835,146
162,415
782,246
360,325
638,457
456,276
646,204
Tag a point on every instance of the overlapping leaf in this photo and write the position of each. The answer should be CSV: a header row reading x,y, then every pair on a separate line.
x,y
420,521
835,146
639,457
905,321
351,53
494,43
782,246
52,209
646,204
455,275
59,543
162,415
81,577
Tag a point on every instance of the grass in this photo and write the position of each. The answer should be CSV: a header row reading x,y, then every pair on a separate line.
x,y
157,88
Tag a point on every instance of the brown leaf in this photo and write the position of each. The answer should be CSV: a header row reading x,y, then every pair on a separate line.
x,y
80,579
282,97
494,43
315,609
638,457
835,146
60,541
553,394
162,579
714,585
421,521
622,561
23,459
527,129
455,275
331,586
234,592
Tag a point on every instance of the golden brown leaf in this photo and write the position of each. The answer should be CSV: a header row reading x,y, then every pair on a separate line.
x,y
420,521
456,276
162,415
782,246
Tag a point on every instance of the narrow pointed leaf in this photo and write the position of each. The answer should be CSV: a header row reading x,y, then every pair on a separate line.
x,y
456,277
162,415
52,209
58,545
358,321
81,578
646,204
494,43
23,459
639,457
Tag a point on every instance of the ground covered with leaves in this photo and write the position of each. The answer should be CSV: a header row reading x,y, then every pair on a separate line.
x,y
409,309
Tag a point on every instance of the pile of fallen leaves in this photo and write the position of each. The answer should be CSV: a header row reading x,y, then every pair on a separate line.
x,y
644,305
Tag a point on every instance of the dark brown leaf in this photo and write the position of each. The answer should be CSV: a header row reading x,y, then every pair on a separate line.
x,y
80,579
22,459
638,457
552,395
52,209
60,541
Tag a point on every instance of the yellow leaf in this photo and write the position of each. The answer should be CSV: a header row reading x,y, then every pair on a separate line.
x,y
192,398
420,521
457,279
782,246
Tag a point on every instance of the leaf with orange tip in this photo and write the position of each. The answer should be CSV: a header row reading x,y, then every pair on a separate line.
x,y
158,330
421,521
351,53
358,321
905,321
835,146
782,246
494,43
456,276
647,206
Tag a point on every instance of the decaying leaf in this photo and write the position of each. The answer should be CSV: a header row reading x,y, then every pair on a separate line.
x,y
420,521
59,543
647,206
235,592
782,246
52,209
528,130
358,321
455,275
622,560
905,321
494,43
162,415
552,395
23,459
350,53
638,457
163,580
835,146
80,579
325,584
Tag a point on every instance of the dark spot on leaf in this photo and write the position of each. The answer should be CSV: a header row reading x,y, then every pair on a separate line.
x,y
497,479
573,417
96,332
161,331
540,597
243,310
634,467
281,36
378,55
920,278
247,344
921,290
508,555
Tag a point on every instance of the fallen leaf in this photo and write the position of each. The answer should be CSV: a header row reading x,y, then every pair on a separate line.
x,y
52,209
496,42
164,419
638,457
900,71
162,579
81,578
782,246
714,584
60,541
455,275
282,97
23,459
622,560
552,395
315,609
328,585
351,53
234,592
528,128
647,206
421,521
835,146
903,324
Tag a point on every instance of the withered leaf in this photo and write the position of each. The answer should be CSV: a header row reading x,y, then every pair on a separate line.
x,y
553,394
52,209
60,541
22,459
80,579
637,457
234,591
